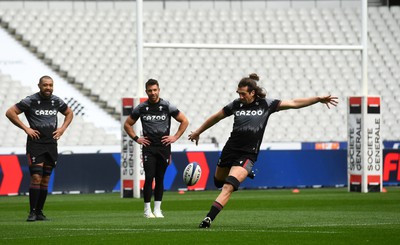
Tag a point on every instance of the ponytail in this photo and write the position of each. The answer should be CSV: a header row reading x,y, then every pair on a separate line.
x,y
251,83
254,76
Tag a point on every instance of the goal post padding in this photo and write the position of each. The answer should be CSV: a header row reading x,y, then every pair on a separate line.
x,y
364,149
132,172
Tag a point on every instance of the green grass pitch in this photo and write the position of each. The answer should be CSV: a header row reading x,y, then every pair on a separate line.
x,y
313,216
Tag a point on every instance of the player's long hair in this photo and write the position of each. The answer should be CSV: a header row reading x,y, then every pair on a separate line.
x,y
251,83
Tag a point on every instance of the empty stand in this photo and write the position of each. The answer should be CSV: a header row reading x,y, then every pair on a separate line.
x,y
97,48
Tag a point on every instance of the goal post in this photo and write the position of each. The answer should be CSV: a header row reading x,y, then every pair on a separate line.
x,y
368,120
364,145
132,172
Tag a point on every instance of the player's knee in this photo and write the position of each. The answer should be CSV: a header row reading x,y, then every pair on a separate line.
x,y
148,181
218,183
233,181
36,179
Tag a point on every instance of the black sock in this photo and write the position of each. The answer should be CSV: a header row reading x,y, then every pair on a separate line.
x,y
34,193
215,209
42,198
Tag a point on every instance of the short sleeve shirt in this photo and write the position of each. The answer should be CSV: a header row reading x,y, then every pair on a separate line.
x,y
156,119
41,114
250,121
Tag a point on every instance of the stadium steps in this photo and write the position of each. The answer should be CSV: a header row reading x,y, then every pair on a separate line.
x,y
375,3
57,68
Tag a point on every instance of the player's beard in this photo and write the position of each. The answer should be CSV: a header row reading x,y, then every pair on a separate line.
x,y
46,94
154,98
244,101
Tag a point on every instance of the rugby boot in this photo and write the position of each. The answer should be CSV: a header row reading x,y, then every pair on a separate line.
x,y
206,223
40,216
31,217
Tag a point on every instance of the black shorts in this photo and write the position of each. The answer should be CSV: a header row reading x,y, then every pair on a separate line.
x,y
228,160
162,153
42,153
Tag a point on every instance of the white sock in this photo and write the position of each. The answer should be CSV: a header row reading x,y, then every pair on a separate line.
x,y
147,206
157,205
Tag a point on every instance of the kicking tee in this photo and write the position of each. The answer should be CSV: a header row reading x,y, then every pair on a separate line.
x,y
41,114
250,121
156,119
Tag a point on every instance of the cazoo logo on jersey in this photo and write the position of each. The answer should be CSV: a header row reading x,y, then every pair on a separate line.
x,y
249,113
154,117
46,112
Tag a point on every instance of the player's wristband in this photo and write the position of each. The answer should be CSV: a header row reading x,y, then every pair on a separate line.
x,y
135,138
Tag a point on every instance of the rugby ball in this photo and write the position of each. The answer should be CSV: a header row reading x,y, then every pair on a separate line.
x,y
191,173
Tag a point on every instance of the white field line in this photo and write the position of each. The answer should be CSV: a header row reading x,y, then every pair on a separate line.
x,y
185,230
286,229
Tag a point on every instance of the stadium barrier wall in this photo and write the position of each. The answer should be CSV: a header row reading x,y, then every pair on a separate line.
x,y
97,173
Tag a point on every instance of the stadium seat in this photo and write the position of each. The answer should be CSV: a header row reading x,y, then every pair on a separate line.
x,y
13,136
106,47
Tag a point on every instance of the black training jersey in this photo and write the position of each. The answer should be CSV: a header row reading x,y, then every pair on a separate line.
x,y
250,121
42,115
156,119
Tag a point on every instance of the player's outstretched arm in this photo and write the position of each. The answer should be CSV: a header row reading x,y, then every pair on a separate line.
x,y
304,102
211,121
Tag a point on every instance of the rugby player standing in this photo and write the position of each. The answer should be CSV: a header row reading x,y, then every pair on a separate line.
x,y
155,115
251,112
41,111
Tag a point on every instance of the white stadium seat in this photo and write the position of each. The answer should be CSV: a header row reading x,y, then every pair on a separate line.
x,y
12,91
95,45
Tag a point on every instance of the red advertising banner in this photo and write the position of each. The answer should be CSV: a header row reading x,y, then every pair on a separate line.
x,y
12,175
391,167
